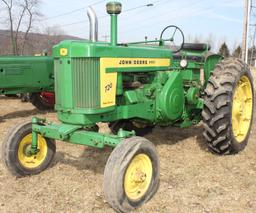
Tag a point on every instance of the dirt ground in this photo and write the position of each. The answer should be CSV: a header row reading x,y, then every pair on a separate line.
x,y
192,178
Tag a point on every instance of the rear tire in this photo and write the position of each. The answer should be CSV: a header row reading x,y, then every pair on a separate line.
x,y
41,102
11,95
127,125
131,175
228,107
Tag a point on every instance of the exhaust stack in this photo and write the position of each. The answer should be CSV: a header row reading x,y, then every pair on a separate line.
x,y
93,24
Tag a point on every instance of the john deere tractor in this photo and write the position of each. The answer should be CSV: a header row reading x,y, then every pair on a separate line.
x,y
141,84
28,74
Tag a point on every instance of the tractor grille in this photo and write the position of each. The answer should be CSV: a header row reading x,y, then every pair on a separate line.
x,y
85,83
59,95
77,83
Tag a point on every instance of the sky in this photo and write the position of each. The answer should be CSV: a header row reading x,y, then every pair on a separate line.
x,y
217,20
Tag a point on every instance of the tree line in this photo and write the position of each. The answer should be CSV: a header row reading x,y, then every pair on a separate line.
x,y
237,53
224,51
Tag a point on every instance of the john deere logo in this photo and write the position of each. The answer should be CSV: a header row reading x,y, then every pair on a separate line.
x,y
63,51
136,62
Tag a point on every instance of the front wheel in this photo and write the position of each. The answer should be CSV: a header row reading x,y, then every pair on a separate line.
x,y
131,176
16,157
228,107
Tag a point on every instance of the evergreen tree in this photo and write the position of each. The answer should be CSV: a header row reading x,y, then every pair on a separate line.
x,y
237,52
224,51
252,56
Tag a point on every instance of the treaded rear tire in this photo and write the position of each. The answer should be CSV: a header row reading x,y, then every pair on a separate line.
x,y
217,111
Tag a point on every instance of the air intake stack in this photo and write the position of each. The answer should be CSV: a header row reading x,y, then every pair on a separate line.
x,y
113,9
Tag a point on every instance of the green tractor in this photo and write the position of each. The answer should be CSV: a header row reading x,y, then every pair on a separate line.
x,y
33,75
125,87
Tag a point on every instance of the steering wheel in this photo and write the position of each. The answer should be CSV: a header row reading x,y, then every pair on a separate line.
x,y
176,32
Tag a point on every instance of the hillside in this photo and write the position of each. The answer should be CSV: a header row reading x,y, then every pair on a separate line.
x,y
36,43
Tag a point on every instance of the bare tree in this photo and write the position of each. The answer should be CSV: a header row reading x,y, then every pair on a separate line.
x,y
54,33
211,40
9,8
21,16
31,8
52,36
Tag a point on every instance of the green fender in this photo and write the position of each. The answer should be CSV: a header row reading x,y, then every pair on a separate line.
x,y
210,63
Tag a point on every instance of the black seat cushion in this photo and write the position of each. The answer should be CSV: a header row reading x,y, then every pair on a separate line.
x,y
196,46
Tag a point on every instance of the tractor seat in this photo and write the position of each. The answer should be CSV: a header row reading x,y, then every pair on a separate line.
x,y
195,47
188,57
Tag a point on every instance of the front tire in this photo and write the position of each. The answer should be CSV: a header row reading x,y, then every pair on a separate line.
x,y
131,176
15,157
228,107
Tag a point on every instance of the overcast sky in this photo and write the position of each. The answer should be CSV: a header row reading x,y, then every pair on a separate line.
x,y
222,19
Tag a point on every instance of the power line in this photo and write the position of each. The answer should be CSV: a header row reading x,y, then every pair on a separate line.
x,y
80,22
252,35
74,11
166,13
247,9
143,21
166,2
105,16
96,3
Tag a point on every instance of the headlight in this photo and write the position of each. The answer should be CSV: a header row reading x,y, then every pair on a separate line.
x,y
183,63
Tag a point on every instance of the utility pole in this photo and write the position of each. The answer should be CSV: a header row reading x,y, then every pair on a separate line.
x,y
251,62
247,6
253,33
105,37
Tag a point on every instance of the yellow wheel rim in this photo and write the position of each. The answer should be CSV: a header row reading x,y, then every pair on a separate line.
x,y
138,177
33,161
242,109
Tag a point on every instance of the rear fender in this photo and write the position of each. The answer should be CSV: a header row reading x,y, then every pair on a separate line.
x,y
210,62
